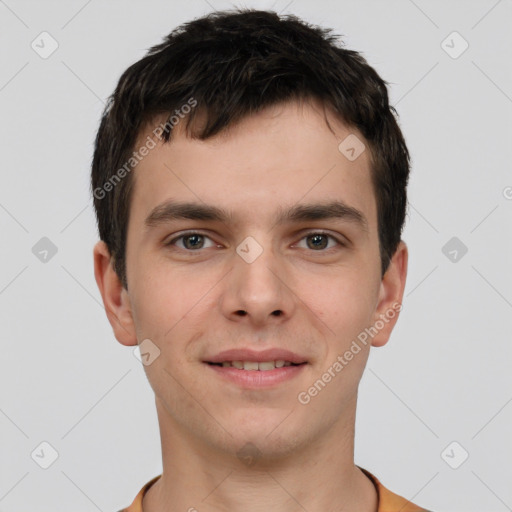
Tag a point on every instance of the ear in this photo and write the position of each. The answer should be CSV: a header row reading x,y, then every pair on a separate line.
x,y
115,297
390,296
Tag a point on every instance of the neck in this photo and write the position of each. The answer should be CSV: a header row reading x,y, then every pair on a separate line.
x,y
321,476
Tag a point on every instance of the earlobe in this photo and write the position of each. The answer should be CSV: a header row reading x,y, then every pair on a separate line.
x,y
390,296
115,298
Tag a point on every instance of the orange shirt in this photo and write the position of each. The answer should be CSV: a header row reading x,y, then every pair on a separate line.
x,y
388,501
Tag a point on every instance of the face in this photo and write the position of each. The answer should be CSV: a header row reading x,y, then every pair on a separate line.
x,y
269,273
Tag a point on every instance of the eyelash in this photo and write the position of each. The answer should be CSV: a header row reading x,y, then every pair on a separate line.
x,y
173,241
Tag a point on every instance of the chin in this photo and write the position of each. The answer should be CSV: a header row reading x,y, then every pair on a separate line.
x,y
267,440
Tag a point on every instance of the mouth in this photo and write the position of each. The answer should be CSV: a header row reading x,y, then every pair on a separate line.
x,y
256,375
251,369
255,365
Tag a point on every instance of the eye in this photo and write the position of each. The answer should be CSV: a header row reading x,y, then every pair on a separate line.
x,y
191,241
194,241
320,240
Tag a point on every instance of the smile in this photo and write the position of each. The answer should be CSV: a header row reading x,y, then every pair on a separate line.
x,y
255,374
255,365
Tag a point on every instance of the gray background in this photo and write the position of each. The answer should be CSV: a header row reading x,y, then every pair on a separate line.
x,y
443,377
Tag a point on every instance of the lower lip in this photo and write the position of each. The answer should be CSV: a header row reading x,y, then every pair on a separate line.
x,y
257,378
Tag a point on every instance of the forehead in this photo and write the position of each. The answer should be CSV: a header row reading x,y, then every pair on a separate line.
x,y
282,156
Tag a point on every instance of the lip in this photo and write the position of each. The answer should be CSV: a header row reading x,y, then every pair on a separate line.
x,y
244,354
257,379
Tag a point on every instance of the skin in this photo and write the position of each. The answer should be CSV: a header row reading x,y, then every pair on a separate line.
x,y
188,304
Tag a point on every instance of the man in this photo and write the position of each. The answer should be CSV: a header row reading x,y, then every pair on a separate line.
x,y
249,181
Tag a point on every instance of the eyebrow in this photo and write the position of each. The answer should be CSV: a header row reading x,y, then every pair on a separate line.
x,y
171,210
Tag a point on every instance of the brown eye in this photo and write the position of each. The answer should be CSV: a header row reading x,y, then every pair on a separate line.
x,y
194,241
190,241
318,241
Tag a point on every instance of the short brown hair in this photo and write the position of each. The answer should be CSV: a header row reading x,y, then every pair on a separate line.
x,y
235,63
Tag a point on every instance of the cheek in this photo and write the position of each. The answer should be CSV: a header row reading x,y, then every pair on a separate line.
x,y
344,301
170,308
158,304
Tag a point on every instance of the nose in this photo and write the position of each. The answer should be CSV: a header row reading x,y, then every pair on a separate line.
x,y
256,290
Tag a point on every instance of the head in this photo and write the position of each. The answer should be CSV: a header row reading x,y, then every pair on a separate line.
x,y
248,112
232,65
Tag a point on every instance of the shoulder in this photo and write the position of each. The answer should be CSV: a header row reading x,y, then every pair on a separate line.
x,y
136,505
390,501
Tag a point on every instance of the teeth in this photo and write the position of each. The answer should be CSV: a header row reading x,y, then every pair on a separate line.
x,y
254,365
265,366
